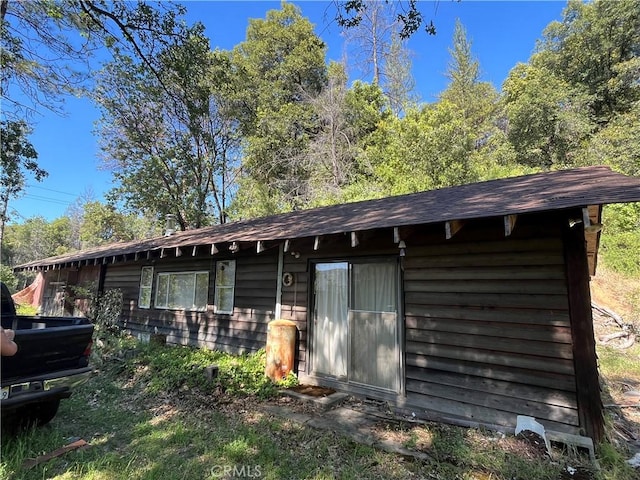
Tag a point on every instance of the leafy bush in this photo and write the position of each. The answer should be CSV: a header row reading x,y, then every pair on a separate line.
x,y
169,369
105,311
621,252
26,310
620,242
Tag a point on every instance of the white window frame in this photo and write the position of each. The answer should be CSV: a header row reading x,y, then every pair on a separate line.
x,y
161,303
144,287
220,287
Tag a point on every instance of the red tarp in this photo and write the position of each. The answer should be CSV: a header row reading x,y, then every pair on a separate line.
x,y
32,295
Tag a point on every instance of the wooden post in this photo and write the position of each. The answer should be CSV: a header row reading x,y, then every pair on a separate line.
x,y
452,227
354,240
590,409
396,235
509,224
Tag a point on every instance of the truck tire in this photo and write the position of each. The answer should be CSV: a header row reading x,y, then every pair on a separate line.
x,y
41,413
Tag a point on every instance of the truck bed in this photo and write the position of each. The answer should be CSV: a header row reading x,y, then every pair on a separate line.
x,y
46,345
51,361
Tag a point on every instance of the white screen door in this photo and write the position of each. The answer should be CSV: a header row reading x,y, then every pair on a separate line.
x,y
356,333
331,314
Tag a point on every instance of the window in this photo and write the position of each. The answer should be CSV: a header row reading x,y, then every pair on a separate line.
x,y
146,283
182,291
225,286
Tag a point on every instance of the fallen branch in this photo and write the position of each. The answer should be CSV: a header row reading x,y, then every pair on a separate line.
x,y
32,462
630,341
612,336
609,313
628,330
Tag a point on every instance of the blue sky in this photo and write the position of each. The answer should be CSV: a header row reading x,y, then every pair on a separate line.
x,y
502,33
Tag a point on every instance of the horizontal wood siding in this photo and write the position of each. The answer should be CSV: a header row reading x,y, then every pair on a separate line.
x,y
126,278
244,331
488,335
294,303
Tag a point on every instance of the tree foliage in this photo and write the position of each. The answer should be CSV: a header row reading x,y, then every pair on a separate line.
x,y
17,159
399,85
36,238
617,144
103,224
478,101
45,55
278,66
167,135
47,46
548,118
596,46
428,148
584,75
350,14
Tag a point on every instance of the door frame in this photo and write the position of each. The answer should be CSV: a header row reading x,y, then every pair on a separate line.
x,y
400,321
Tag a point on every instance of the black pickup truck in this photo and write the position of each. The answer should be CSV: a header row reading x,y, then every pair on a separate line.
x,y
52,358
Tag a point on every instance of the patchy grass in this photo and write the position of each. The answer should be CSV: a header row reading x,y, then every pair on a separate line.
x,y
620,293
620,366
154,415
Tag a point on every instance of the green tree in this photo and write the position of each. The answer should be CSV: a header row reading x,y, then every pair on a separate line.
x,y
8,277
167,136
46,52
548,119
427,149
366,108
596,46
617,144
102,224
35,239
280,64
18,158
479,103
478,100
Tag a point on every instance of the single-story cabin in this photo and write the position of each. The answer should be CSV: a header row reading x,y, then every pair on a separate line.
x,y
468,305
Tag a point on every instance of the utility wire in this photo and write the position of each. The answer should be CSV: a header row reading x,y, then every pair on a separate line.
x,y
46,199
52,190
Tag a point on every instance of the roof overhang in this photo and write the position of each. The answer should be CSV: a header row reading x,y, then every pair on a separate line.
x,y
585,189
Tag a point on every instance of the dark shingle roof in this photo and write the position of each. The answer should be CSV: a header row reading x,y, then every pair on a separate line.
x,y
539,192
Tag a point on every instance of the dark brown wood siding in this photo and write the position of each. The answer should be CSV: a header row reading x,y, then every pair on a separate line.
x,y
487,326
294,304
243,331
488,335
